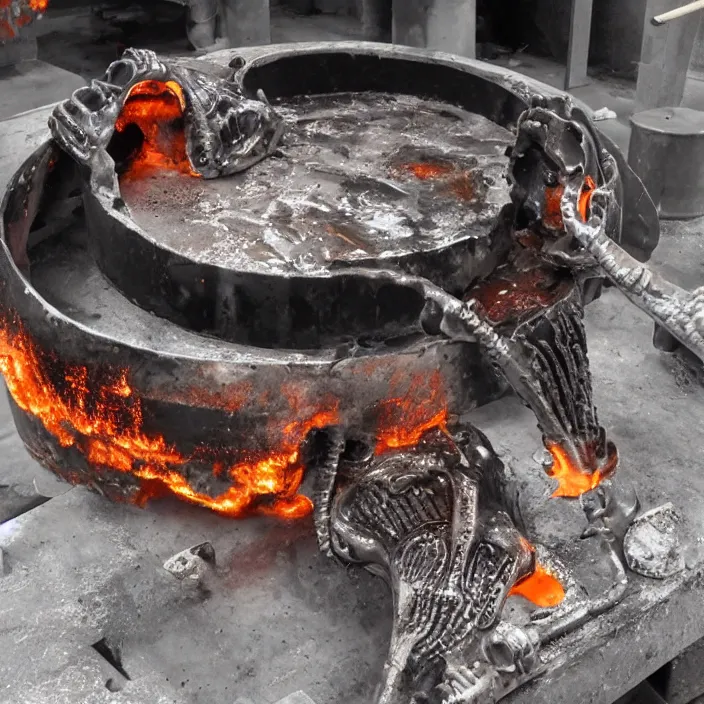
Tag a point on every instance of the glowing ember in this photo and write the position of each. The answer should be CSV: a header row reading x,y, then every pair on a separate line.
x,y
504,298
100,414
156,108
428,171
403,420
459,182
14,15
540,588
573,481
552,216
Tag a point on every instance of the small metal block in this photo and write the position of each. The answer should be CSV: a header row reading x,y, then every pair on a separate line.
x,y
192,563
652,545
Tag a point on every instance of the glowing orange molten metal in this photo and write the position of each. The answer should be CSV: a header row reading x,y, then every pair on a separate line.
x,y
10,23
552,216
426,171
99,414
156,108
573,481
459,182
403,420
540,588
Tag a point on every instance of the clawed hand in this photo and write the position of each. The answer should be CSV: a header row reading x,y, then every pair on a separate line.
x,y
586,233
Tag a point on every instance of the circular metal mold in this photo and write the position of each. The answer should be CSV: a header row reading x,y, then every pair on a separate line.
x,y
262,257
213,402
253,257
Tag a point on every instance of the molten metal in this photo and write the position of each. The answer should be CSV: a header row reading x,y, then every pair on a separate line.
x,y
403,420
552,217
502,299
100,414
156,108
572,481
455,180
540,588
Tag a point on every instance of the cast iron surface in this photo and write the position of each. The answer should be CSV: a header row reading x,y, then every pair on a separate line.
x,y
175,370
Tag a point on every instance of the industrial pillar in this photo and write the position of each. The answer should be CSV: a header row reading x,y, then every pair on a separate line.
x,y
247,22
665,55
443,25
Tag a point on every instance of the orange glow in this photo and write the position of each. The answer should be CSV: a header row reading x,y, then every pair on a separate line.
x,y
572,481
427,171
157,109
552,213
515,293
404,419
9,23
99,413
459,182
540,588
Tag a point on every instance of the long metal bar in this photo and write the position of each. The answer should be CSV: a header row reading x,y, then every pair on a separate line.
x,y
578,52
678,12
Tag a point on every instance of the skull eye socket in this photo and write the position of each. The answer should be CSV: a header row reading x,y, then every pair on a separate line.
x,y
340,545
249,123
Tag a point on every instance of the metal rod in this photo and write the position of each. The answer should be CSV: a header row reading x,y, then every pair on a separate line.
x,y
677,13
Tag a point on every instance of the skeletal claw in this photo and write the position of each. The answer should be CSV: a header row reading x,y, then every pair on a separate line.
x,y
595,222
464,677
120,74
65,119
67,139
105,90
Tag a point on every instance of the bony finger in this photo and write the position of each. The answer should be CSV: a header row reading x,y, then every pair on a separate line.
x,y
595,222
570,197
568,206
576,179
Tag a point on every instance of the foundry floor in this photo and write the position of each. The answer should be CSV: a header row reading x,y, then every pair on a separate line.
x,y
279,618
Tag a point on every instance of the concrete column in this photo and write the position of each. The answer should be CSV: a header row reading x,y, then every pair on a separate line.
x,y
443,25
22,48
14,51
376,19
665,55
247,22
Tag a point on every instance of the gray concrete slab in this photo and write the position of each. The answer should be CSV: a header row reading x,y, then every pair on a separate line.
x,y
32,84
683,678
19,137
